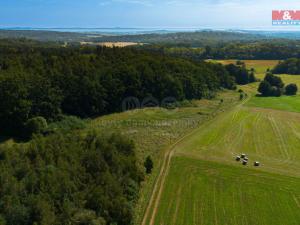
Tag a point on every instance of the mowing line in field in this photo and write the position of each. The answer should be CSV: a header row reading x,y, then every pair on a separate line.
x,y
283,147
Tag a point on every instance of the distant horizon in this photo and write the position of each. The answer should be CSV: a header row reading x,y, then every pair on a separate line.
x,y
183,29
144,14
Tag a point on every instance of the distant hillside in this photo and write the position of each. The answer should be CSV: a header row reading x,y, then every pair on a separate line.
x,y
165,37
187,38
41,35
199,38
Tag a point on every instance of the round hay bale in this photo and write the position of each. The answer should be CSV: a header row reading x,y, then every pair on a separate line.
x,y
238,158
243,155
245,162
256,163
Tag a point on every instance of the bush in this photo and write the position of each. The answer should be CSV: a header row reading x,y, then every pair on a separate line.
x,y
274,80
241,96
240,63
187,103
148,165
275,91
36,125
66,123
271,86
88,217
291,89
264,88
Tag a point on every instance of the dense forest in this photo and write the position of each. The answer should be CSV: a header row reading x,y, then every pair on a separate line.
x,y
172,37
69,179
51,81
198,45
276,49
67,176
46,35
289,66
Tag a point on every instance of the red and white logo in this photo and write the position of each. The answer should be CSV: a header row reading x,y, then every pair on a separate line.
x,y
286,15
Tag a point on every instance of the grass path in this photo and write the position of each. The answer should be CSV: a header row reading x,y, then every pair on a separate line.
x,y
159,184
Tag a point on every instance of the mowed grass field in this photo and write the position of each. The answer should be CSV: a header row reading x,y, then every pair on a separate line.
x,y
288,103
206,193
205,185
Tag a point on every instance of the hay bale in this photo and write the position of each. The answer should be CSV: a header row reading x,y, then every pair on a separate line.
x,y
238,158
256,163
246,158
243,155
245,162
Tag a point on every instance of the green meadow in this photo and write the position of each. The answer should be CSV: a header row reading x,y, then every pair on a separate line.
x,y
204,192
202,183
288,103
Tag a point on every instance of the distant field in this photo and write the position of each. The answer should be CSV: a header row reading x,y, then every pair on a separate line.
x,y
111,44
260,66
287,103
287,79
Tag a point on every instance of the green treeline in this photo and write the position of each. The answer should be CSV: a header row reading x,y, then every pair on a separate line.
x,y
240,73
86,82
289,66
69,179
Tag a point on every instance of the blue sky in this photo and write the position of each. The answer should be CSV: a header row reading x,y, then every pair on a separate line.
x,y
141,13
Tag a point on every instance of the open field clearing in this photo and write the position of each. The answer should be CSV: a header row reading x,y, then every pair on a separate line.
x,y
202,183
153,128
111,44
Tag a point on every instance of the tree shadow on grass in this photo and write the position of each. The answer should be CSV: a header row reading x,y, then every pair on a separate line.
x,y
266,96
260,95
